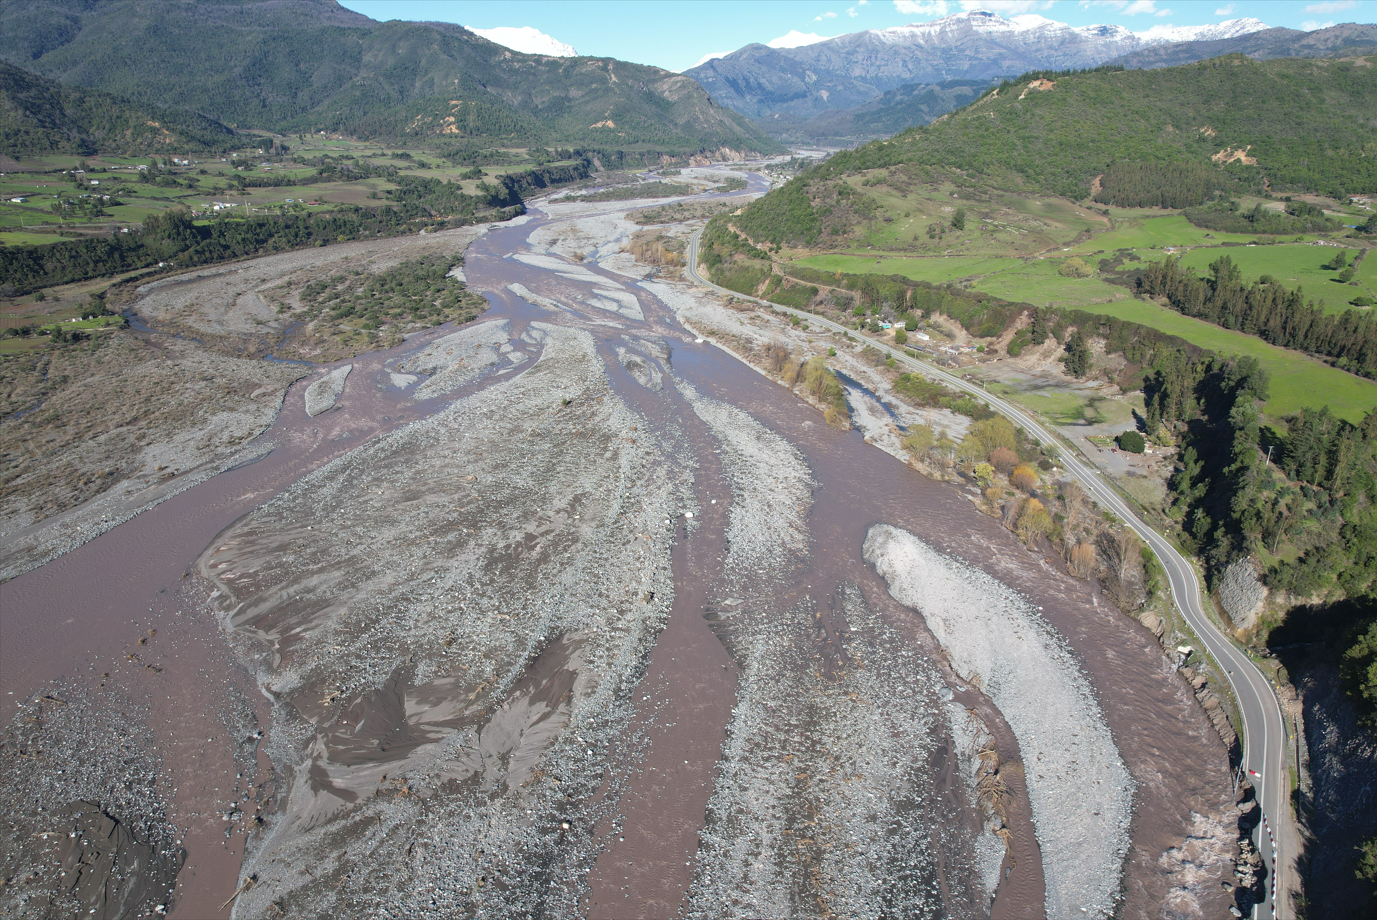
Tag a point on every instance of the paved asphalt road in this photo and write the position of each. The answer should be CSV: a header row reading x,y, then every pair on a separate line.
x,y
1264,733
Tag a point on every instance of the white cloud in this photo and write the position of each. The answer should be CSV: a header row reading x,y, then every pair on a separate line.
x,y
1332,6
828,15
863,2
1128,7
921,7
525,39
1225,10
712,57
851,11
796,39
1312,25
1007,7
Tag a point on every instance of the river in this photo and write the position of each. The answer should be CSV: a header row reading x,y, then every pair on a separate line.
x,y
593,633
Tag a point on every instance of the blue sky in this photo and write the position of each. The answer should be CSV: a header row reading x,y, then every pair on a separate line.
x,y
676,34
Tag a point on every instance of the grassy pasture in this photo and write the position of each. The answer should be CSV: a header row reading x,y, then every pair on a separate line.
x,y
1292,265
1297,380
1037,282
1154,230
933,269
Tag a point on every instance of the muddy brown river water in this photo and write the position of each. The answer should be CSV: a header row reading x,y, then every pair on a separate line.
x,y
768,732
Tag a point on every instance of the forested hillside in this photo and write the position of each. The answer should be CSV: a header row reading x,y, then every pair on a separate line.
x,y
312,65
890,113
1189,132
39,116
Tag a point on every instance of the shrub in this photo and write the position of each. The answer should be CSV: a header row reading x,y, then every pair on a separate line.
x,y
1033,521
993,432
1075,267
900,336
1082,561
1003,459
822,384
1132,442
1024,478
919,439
984,473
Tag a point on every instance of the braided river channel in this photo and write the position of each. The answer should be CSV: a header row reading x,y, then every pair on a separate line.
x,y
571,612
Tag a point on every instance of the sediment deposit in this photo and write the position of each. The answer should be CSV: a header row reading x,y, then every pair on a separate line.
x,y
517,594
1081,791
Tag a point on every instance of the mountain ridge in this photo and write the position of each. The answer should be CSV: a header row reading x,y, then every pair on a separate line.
x,y
1229,125
39,116
853,69
312,65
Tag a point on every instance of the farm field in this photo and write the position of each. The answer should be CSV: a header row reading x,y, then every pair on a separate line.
x,y
933,269
1292,265
202,182
1296,379
1154,232
1037,282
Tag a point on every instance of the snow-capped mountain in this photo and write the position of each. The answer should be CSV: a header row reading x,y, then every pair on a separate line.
x,y
1229,28
851,69
526,39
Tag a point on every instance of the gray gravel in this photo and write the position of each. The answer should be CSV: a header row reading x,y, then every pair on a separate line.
x,y
1079,788
322,393
827,803
81,790
771,487
458,358
450,620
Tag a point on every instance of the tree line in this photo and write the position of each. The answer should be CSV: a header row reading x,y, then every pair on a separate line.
x,y
173,237
1295,217
1267,310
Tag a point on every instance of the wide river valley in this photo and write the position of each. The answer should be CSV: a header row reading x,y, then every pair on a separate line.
x,y
572,612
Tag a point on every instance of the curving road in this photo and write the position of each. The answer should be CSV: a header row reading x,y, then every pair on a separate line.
x,y
1264,732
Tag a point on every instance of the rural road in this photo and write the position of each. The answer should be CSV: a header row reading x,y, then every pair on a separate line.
x,y
1264,731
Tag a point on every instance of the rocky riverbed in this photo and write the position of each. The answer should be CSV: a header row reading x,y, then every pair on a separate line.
x,y
568,612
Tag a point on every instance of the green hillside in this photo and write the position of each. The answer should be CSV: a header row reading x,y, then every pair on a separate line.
x,y
1067,191
314,66
1288,125
39,116
890,113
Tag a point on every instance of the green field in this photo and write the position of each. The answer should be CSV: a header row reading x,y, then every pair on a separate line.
x,y
1152,232
23,238
1293,265
1297,380
935,269
1037,282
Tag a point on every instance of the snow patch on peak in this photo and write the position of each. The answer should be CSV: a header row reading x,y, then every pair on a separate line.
x,y
1105,32
526,39
1032,22
1230,28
